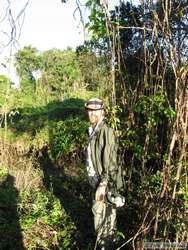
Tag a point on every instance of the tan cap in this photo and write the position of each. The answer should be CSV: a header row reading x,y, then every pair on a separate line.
x,y
94,104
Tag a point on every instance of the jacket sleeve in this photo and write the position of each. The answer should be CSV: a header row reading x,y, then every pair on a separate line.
x,y
109,159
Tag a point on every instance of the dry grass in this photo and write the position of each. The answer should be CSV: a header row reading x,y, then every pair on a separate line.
x,y
27,175
22,166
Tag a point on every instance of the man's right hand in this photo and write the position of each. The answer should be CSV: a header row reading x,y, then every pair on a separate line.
x,y
100,193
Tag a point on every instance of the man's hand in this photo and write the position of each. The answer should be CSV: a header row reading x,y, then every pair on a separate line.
x,y
100,192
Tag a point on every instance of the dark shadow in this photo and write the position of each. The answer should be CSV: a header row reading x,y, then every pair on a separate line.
x,y
73,193
30,119
10,231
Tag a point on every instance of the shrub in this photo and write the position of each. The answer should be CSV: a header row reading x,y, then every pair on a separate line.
x,y
68,138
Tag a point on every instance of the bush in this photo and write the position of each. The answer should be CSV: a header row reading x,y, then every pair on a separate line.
x,y
44,222
68,138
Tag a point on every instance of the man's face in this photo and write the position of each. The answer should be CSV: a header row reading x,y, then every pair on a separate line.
x,y
94,115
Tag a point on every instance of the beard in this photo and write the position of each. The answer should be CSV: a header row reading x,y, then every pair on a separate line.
x,y
93,119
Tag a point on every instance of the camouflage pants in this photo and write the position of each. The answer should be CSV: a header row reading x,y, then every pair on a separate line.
x,y
104,223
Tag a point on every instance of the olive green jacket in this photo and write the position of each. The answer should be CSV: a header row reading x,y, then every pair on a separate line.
x,y
104,157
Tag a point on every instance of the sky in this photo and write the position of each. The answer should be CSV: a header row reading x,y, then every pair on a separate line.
x,y
43,24
50,24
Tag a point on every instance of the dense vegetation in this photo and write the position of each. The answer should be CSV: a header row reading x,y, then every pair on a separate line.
x,y
136,62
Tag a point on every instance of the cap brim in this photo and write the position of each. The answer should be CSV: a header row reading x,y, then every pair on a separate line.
x,y
88,108
94,106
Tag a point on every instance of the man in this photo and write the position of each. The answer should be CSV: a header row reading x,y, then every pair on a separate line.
x,y
103,174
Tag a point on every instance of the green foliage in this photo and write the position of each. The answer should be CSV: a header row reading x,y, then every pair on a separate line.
x,y
153,108
28,60
4,87
69,138
33,118
152,184
44,222
3,172
64,74
113,115
60,69
93,68
151,112
43,217
96,22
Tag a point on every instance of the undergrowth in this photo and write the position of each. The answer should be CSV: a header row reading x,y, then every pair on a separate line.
x,y
51,215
